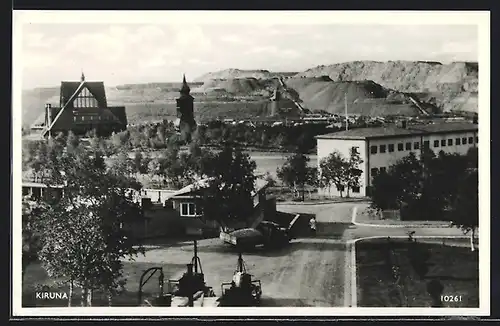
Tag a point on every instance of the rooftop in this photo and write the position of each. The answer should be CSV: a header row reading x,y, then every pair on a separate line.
x,y
188,190
394,131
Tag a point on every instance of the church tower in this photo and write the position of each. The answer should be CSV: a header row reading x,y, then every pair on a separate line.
x,y
185,123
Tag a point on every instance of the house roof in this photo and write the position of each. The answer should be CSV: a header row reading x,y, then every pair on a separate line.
x,y
395,131
68,89
188,190
446,127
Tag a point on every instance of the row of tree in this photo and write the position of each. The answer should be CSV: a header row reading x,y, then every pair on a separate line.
x,y
431,187
216,133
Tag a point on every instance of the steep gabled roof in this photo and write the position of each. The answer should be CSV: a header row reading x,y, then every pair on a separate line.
x,y
69,90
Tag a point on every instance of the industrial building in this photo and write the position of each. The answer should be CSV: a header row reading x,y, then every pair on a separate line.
x,y
381,147
82,108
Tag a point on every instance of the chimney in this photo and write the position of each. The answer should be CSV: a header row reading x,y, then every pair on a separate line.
x,y
474,120
190,269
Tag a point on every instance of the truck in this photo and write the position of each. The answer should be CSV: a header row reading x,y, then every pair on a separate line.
x,y
267,233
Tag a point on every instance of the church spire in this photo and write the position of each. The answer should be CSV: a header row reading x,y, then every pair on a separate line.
x,y
82,78
185,87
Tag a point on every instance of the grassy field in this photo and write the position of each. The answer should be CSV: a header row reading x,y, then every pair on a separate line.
x,y
452,263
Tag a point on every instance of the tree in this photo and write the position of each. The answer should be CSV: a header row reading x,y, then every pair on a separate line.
x,y
72,141
296,173
465,211
82,235
122,163
353,171
226,194
423,188
140,163
333,171
401,184
31,235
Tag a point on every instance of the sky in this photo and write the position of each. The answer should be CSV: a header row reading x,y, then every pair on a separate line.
x,y
139,52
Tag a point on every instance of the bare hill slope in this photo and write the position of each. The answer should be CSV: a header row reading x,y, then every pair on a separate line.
x,y
239,73
241,86
452,86
363,97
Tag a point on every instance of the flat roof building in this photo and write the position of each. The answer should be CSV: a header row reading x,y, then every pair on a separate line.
x,y
382,147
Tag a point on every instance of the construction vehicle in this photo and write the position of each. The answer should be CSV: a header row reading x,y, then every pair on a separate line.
x,y
188,291
242,291
267,233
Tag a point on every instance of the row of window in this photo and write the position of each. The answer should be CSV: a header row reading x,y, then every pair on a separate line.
x,y
416,145
85,100
458,141
90,118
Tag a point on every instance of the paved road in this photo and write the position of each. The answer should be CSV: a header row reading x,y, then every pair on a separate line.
x,y
312,271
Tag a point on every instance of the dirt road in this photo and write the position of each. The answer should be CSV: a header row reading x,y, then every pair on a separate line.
x,y
309,272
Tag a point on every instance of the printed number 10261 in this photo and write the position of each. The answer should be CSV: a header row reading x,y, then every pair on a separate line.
x,y
451,298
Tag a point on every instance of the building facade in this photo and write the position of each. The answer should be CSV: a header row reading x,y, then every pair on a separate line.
x,y
82,108
382,147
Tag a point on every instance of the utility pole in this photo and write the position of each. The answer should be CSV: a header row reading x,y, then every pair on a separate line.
x,y
346,118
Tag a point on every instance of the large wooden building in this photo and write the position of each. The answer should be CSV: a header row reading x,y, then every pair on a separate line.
x,y
82,108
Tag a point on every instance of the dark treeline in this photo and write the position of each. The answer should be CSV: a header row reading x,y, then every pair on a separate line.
x,y
217,133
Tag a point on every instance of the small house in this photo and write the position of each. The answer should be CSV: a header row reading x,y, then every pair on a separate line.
x,y
181,212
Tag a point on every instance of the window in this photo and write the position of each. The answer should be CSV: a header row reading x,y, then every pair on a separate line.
x,y
85,100
477,139
74,118
188,209
436,143
408,146
400,147
416,145
443,142
374,171
426,144
450,142
471,140
457,141
373,149
391,148
340,187
355,190
383,169
464,141
382,148
83,118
